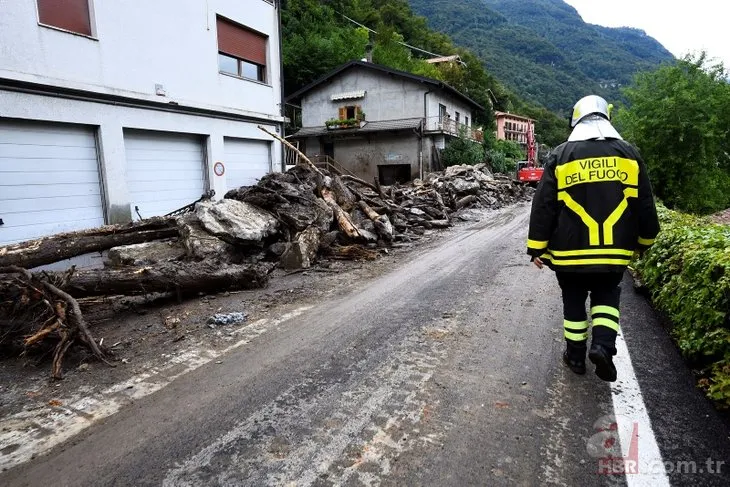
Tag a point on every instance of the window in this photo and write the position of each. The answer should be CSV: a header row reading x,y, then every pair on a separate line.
x,y
466,121
442,112
458,116
241,51
70,15
349,112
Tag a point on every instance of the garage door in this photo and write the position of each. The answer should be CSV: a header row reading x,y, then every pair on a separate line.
x,y
49,180
164,171
247,161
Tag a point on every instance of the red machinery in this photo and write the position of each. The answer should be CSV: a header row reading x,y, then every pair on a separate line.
x,y
528,171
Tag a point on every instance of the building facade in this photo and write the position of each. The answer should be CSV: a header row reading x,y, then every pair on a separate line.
x,y
514,127
111,112
378,122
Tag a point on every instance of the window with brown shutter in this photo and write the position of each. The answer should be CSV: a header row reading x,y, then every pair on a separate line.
x,y
241,51
71,15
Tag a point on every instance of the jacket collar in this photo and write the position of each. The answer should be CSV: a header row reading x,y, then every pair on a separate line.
x,y
594,127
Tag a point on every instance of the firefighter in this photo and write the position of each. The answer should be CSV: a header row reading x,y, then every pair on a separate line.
x,y
593,210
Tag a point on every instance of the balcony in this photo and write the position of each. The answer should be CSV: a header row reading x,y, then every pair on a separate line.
x,y
451,127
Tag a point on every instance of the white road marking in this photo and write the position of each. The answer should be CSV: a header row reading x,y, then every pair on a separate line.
x,y
37,430
630,411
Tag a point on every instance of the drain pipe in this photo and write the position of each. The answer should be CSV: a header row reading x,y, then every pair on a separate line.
x,y
420,133
282,106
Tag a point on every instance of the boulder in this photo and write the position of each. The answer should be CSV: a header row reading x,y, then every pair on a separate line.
x,y
236,222
463,187
300,253
147,253
199,244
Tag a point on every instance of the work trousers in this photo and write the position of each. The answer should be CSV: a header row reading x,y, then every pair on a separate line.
x,y
605,296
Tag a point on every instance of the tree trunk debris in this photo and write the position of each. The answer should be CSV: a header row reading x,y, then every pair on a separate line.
x,y
287,220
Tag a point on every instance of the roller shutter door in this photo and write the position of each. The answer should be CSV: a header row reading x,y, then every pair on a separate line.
x,y
247,161
164,171
49,180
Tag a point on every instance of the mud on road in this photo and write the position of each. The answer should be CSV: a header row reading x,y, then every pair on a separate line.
x,y
155,340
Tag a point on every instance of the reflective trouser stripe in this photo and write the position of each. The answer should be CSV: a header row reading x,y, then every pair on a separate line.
x,y
576,331
606,310
607,322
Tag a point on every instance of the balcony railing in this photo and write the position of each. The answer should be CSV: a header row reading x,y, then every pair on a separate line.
x,y
452,127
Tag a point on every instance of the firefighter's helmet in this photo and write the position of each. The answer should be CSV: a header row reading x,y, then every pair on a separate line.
x,y
590,105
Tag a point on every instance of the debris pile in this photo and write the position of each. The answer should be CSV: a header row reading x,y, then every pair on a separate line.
x,y
288,219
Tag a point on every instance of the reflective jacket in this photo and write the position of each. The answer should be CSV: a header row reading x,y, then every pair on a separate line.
x,y
593,208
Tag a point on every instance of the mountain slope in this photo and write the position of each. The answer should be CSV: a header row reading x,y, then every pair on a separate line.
x,y
542,49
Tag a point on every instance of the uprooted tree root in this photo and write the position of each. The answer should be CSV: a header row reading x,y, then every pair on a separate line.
x,y
29,299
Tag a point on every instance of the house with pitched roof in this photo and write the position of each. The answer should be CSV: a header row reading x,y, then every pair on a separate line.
x,y
373,121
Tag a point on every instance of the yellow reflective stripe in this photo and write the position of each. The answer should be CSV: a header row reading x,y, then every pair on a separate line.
x,y
605,322
577,253
606,310
576,337
585,261
646,241
597,170
614,217
537,244
576,325
593,232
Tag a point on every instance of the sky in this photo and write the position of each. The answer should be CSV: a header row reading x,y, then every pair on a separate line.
x,y
682,26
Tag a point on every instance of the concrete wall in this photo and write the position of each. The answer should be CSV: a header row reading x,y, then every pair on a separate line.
x,y
139,44
363,155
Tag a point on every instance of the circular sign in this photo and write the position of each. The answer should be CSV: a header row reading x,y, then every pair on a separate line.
x,y
219,169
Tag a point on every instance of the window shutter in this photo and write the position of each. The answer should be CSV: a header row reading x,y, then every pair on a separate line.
x,y
343,113
240,42
72,15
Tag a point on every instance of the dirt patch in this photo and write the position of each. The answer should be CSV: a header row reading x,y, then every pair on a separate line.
x,y
722,217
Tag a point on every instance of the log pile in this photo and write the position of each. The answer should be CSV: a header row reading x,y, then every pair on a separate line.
x,y
288,219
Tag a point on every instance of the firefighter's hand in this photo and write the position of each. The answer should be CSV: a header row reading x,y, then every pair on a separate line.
x,y
538,263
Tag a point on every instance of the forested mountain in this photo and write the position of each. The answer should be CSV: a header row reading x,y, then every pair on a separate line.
x,y
320,35
542,49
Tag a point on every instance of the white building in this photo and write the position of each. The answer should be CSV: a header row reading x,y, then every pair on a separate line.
x,y
113,109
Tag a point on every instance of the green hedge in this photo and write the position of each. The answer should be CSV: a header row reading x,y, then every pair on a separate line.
x,y
687,272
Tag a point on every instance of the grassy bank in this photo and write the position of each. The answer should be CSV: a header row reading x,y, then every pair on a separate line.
x,y
687,272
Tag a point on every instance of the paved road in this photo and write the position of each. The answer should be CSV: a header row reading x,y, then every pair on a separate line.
x,y
446,372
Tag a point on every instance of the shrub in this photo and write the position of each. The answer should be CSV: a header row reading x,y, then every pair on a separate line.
x,y
500,162
688,273
463,151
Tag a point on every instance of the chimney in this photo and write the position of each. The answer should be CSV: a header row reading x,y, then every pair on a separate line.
x,y
369,53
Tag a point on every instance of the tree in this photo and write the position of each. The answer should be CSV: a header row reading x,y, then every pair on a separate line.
x,y
679,117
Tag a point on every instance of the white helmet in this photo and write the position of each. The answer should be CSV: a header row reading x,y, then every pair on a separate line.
x,y
590,105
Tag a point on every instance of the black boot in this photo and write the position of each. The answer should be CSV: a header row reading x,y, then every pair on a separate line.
x,y
575,358
603,348
602,357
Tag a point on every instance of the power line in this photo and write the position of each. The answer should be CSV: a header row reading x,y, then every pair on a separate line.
x,y
399,42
